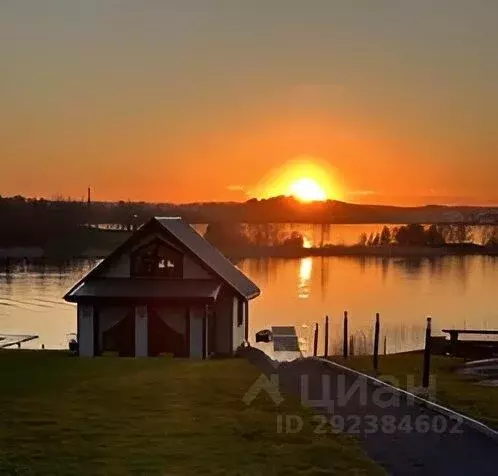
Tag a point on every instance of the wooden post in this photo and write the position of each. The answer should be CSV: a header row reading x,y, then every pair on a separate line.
x,y
385,345
376,343
345,336
326,346
427,355
315,343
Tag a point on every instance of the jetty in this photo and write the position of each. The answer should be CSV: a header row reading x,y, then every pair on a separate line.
x,y
10,340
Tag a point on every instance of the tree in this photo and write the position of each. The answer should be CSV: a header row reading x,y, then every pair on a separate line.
x,y
363,240
295,240
492,238
434,236
464,234
226,236
385,236
460,233
411,235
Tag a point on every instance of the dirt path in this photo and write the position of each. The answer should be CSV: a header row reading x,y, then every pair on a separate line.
x,y
405,438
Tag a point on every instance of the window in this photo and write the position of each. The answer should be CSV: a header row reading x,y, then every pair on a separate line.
x,y
157,259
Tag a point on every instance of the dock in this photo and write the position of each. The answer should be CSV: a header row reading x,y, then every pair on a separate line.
x,y
285,345
9,340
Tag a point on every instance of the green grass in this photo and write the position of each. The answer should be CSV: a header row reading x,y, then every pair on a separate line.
x,y
65,415
448,387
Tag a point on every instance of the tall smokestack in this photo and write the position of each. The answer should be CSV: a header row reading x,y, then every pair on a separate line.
x,y
89,198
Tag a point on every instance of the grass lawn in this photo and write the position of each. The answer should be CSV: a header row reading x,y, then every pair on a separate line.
x,y
65,415
449,388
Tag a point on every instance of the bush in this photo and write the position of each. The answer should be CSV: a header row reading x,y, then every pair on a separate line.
x,y
226,236
295,240
417,235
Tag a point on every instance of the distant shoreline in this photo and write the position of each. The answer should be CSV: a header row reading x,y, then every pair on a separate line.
x,y
37,254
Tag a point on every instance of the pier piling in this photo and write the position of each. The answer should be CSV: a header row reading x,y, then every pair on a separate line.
x,y
315,343
345,336
376,343
326,343
427,355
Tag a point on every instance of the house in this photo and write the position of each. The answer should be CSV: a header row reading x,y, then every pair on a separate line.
x,y
166,290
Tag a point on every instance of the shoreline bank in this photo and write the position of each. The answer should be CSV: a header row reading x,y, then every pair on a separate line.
x,y
31,254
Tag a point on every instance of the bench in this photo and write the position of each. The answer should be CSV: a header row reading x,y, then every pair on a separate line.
x,y
471,348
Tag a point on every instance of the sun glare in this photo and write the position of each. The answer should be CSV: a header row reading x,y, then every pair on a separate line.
x,y
306,178
307,190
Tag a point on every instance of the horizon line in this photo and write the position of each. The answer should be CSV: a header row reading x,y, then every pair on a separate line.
x,y
491,204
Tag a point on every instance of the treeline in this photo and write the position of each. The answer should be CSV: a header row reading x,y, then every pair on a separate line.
x,y
277,209
40,222
60,226
240,237
433,235
35,222
27,214
227,236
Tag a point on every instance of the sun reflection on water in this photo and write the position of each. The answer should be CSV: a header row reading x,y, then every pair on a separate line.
x,y
304,283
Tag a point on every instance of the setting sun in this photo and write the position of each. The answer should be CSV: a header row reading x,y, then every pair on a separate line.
x,y
307,190
306,178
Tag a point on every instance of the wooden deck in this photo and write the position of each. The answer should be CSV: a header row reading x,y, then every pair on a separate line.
x,y
9,340
478,349
285,345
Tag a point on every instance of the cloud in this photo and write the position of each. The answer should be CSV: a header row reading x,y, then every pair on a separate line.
x,y
362,193
236,188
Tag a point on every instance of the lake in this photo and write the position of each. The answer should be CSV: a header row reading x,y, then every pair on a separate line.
x,y
457,291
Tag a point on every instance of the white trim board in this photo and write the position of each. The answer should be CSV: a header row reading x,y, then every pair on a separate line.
x,y
474,424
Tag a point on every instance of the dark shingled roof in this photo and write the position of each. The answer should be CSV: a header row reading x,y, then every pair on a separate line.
x,y
192,241
175,289
207,253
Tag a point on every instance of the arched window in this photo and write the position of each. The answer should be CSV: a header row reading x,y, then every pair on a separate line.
x,y
156,259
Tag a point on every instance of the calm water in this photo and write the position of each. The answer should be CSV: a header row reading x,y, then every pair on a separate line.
x,y
455,291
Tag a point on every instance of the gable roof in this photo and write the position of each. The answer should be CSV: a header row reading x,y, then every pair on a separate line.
x,y
210,256
182,232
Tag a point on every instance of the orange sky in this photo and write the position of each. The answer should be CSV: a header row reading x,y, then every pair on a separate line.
x,y
198,101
